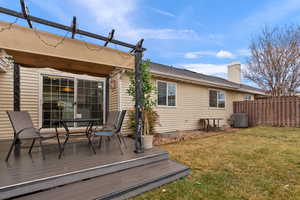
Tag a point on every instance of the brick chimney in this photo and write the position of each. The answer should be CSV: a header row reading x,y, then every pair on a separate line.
x,y
234,72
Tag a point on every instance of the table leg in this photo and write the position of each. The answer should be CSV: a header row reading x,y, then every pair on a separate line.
x,y
57,137
214,121
66,140
88,135
207,129
63,147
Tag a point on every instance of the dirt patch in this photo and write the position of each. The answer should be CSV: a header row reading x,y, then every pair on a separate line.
x,y
189,135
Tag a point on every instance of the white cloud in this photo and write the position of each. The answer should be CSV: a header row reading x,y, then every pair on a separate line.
x,y
219,54
272,12
53,9
198,54
163,12
244,52
209,69
206,68
118,14
225,54
167,34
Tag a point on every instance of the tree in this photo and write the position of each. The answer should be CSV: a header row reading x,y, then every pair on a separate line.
x,y
150,116
274,64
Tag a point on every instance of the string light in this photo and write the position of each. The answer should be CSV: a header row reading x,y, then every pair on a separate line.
x,y
10,25
48,44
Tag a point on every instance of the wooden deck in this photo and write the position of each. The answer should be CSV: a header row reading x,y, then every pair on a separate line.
x,y
25,174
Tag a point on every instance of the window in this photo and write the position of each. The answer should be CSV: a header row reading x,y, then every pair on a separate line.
x,y
166,93
248,97
216,99
68,98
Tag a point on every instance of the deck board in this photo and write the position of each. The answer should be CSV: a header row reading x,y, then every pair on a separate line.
x,y
109,186
77,156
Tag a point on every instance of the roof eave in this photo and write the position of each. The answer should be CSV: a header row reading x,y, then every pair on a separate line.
x,y
203,82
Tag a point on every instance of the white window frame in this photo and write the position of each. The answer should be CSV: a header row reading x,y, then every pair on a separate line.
x,y
167,99
75,78
217,99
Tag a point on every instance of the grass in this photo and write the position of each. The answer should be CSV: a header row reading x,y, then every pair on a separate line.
x,y
258,163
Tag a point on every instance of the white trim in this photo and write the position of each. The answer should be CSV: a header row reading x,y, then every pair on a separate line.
x,y
225,99
167,105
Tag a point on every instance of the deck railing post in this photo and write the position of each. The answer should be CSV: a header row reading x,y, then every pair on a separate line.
x,y
138,101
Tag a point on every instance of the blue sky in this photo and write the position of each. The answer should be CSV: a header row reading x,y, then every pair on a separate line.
x,y
201,35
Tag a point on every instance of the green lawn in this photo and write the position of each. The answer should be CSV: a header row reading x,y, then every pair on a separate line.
x,y
257,163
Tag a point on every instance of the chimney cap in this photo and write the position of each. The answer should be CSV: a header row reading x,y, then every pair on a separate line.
x,y
234,63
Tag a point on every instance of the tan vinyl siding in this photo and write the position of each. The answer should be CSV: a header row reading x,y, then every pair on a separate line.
x,y
6,103
127,103
114,93
30,93
191,105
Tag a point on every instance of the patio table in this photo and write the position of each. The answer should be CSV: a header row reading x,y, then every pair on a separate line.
x,y
88,131
216,122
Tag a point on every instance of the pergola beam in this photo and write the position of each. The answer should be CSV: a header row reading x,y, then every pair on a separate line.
x,y
66,28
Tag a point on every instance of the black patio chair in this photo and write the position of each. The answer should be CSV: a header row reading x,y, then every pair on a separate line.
x,y
113,128
24,130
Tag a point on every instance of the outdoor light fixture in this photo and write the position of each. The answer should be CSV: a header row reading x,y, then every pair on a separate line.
x,y
6,61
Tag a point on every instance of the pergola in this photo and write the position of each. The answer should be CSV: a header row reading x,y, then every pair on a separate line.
x,y
30,47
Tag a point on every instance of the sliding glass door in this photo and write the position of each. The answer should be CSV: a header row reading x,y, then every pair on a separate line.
x,y
69,98
90,99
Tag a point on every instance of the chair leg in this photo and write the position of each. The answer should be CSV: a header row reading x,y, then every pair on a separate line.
x,y
31,146
100,142
58,142
63,147
120,144
42,148
10,150
124,141
91,144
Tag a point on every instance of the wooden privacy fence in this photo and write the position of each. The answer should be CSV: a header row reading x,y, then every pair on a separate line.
x,y
275,111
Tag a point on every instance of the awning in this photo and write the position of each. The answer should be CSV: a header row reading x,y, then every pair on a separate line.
x,y
34,48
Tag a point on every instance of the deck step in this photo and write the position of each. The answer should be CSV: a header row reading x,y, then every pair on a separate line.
x,y
118,185
35,185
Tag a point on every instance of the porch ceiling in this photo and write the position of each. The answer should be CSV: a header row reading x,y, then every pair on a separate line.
x,y
27,46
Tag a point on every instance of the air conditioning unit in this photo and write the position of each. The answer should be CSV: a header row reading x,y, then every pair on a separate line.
x,y
240,120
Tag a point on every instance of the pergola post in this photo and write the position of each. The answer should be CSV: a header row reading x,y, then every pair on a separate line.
x,y
138,100
17,99
17,91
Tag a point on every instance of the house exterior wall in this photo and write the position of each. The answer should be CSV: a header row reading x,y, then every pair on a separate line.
x,y
30,95
6,102
192,103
